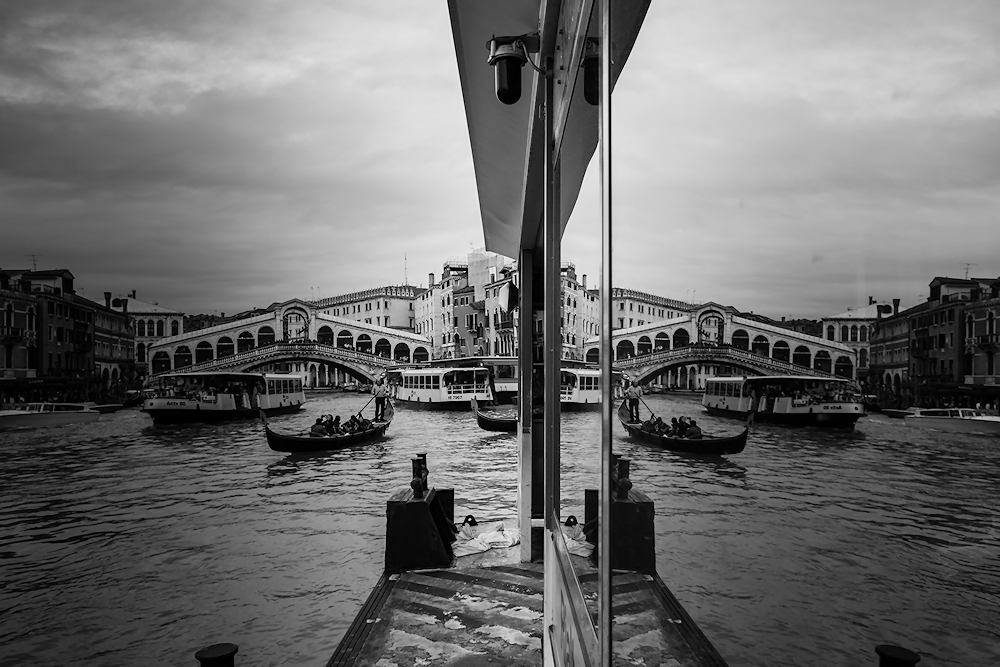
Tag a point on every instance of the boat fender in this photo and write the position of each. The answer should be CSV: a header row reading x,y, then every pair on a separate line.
x,y
470,521
571,521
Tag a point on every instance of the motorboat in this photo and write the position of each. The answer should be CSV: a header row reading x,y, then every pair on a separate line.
x,y
39,415
956,420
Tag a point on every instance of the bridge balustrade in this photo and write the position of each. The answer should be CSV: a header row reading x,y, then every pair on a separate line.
x,y
716,353
260,354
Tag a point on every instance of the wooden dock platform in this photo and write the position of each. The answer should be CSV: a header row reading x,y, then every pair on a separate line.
x,y
488,611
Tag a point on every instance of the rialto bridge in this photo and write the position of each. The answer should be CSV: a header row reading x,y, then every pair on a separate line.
x,y
715,340
293,338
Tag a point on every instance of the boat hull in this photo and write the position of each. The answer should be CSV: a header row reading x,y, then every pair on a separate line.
x,y
704,446
492,422
955,424
46,419
304,444
814,418
196,415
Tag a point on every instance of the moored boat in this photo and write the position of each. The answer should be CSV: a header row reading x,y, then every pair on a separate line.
x,y
706,445
39,415
498,421
298,443
955,420
798,400
184,398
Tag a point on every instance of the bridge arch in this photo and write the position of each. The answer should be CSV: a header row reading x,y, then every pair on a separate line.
x,y
345,339
182,357
420,355
711,327
741,339
295,323
823,362
761,346
203,352
244,342
844,367
682,338
160,362
802,357
781,351
644,346
225,348
324,335
662,341
624,350
401,352
364,343
593,356
265,336
383,348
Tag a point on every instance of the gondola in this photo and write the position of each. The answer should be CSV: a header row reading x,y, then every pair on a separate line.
x,y
706,445
489,422
282,442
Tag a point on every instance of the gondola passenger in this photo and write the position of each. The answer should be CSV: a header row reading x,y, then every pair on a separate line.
x,y
694,431
317,430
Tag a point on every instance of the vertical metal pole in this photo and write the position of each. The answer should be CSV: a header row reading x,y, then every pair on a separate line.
x,y
552,337
604,620
525,354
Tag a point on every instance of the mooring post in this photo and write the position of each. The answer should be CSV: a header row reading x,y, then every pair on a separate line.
x,y
895,656
623,484
217,655
418,484
424,471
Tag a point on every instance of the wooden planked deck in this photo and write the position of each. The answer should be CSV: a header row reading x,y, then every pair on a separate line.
x,y
492,615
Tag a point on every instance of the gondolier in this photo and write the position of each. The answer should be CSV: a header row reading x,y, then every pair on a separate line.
x,y
632,393
380,392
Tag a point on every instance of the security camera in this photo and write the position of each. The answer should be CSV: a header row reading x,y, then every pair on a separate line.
x,y
507,56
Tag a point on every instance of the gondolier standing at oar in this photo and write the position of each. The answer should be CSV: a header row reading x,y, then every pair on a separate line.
x,y
380,392
632,393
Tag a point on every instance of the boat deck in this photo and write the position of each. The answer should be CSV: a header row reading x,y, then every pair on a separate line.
x,y
488,611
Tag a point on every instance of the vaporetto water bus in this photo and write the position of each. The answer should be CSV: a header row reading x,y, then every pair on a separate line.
x,y
785,399
580,389
182,398
439,387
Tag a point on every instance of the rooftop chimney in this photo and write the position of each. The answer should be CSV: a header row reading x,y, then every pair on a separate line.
x,y
107,300
895,306
430,280
871,300
585,282
132,295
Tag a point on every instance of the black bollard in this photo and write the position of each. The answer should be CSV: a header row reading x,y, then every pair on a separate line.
x,y
417,483
217,655
623,466
895,656
424,470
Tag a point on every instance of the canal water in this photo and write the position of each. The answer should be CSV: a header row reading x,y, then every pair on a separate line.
x,y
125,544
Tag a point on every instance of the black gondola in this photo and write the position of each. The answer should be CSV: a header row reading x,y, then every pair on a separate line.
x,y
496,423
706,445
282,442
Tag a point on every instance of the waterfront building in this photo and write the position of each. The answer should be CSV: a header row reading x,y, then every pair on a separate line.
x,y
114,349
982,340
633,308
501,325
855,327
18,338
152,323
64,340
390,306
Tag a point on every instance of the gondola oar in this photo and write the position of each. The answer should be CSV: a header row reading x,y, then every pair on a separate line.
x,y
651,415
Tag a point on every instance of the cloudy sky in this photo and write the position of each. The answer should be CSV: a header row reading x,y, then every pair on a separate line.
x,y
789,157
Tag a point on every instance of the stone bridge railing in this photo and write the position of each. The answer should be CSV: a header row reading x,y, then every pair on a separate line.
x,y
720,353
282,350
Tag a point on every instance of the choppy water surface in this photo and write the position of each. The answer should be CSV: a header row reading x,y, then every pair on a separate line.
x,y
124,544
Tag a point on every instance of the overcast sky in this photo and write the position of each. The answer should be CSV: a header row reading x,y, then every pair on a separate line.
x,y
789,157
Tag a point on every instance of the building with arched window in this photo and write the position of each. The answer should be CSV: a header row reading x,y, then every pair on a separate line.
x,y
855,327
152,323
